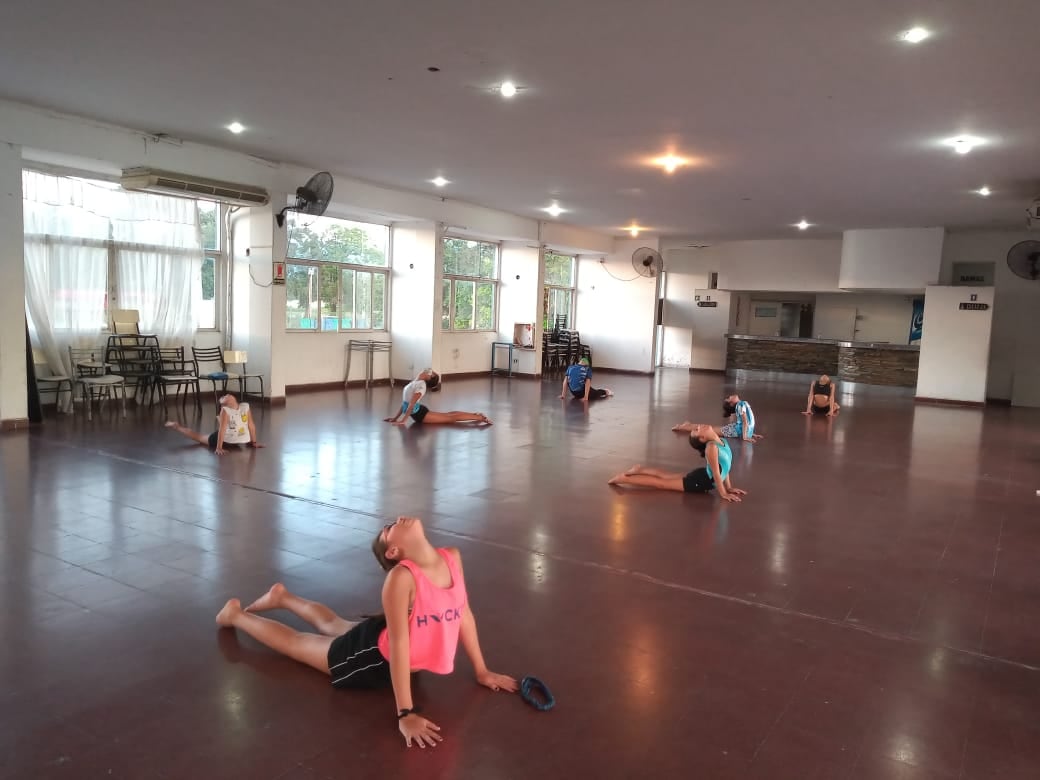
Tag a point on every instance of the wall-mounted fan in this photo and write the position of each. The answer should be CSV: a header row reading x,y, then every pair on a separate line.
x,y
647,262
1024,260
312,198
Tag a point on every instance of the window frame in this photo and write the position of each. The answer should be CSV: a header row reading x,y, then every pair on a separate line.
x,y
547,290
383,270
454,279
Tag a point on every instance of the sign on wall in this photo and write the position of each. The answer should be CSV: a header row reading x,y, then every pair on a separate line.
x,y
973,274
917,321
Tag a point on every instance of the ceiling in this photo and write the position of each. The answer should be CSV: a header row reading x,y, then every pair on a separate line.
x,y
794,109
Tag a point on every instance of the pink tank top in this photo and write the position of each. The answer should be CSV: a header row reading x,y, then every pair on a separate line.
x,y
433,626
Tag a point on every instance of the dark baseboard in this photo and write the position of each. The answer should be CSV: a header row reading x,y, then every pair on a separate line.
x,y
948,402
998,402
14,424
630,372
708,371
276,400
468,374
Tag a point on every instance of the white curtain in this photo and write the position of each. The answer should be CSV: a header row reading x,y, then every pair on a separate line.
x,y
66,267
159,255
71,228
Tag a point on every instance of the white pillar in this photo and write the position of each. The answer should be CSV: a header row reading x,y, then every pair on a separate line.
x,y
13,397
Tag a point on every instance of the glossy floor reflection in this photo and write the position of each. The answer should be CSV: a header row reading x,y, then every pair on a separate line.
x,y
867,612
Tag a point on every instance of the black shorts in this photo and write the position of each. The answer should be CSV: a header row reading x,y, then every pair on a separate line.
x,y
420,413
821,409
212,442
580,393
355,660
697,481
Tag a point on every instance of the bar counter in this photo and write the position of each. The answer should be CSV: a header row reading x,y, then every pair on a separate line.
x,y
871,363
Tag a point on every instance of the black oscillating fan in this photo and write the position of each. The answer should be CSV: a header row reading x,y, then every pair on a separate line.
x,y
647,262
312,198
1024,260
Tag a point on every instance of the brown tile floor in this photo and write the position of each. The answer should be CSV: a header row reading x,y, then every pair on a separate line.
x,y
868,612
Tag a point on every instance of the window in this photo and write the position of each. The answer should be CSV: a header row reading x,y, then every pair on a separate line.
x,y
470,286
558,294
91,246
336,275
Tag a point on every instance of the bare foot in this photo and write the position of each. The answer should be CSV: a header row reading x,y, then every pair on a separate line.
x,y
617,479
169,424
634,470
270,600
683,426
609,392
485,420
226,616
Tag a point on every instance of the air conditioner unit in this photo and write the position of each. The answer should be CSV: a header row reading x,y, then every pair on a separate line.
x,y
186,186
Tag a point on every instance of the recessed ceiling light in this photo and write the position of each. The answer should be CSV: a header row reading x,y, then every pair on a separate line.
x,y
803,225
553,210
984,191
670,162
634,232
915,35
962,144
440,181
236,127
507,89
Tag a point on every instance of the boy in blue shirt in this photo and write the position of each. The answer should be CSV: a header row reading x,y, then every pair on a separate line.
x,y
579,381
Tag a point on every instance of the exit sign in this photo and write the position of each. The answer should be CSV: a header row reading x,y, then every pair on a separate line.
x,y
974,306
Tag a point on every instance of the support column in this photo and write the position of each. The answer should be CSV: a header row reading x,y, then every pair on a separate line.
x,y
13,394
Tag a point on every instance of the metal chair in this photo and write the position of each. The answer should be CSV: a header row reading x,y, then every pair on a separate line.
x,y
93,378
212,355
60,382
232,357
173,370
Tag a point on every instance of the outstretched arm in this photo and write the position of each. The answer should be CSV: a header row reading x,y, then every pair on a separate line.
x,y
712,456
808,402
222,423
563,389
588,387
831,411
397,594
745,428
252,433
471,644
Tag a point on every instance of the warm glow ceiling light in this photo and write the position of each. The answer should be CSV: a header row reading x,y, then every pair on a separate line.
x,y
962,144
507,89
670,162
634,231
803,225
236,127
553,210
915,35
984,191
440,181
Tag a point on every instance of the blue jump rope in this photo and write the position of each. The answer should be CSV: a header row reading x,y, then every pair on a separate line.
x,y
544,701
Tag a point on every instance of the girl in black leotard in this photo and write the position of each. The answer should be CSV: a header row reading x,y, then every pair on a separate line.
x,y
821,398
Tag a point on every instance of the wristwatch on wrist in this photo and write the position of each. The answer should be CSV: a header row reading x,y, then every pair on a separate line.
x,y
406,712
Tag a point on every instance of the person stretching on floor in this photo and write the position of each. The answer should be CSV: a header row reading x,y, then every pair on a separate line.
x,y
706,440
414,392
821,398
741,428
234,426
578,380
426,613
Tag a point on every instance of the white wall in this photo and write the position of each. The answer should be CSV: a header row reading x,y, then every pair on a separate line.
x,y
683,277
797,265
892,259
615,310
518,298
879,317
13,396
1016,316
955,345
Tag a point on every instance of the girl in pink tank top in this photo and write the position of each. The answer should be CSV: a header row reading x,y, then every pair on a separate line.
x,y
426,613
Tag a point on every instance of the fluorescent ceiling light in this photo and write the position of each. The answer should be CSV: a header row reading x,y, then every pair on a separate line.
x,y
554,210
915,35
803,225
440,181
984,191
236,127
